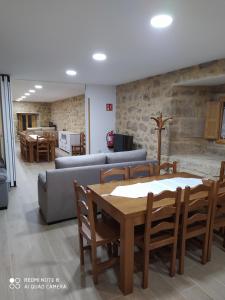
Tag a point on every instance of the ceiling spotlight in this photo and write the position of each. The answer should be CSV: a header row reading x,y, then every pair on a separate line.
x,y
38,86
161,21
31,91
99,56
27,94
71,72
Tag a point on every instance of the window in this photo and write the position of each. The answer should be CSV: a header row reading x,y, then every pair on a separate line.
x,y
26,120
215,121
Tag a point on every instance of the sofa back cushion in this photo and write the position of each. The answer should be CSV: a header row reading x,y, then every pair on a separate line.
x,y
80,161
126,156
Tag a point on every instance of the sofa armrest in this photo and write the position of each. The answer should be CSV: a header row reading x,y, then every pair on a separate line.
x,y
42,180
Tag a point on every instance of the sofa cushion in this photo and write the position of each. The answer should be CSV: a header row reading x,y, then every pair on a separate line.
x,y
3,175
79,161
126,156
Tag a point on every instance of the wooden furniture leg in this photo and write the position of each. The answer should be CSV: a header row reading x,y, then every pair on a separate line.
x,y
52,151
31,152
126,256
81,246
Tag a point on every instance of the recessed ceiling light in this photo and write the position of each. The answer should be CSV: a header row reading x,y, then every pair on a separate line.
x,y
27,94
161,21
23,97
71,72
18,99
38,86
32,91
99,56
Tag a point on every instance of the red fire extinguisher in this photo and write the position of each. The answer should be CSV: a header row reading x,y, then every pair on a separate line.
x,y
110,139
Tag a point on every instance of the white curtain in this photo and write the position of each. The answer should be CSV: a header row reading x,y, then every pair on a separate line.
x,y
8,128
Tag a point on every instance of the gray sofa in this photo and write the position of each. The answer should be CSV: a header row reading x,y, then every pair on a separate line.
x,y
55,187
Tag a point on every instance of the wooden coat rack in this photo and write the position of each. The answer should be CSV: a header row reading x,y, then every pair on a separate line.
x,y
160,125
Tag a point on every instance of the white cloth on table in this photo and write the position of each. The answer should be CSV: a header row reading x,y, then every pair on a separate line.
x,y
139,190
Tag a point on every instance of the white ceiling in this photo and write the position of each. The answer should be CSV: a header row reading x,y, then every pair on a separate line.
x,y
42,38
49,93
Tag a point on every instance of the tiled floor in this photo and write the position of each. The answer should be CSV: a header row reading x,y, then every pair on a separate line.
x,y
31,249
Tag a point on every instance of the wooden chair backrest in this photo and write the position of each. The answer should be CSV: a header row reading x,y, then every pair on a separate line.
x,y
167,167
85,211
167,216
23,139
82,139
222,171
198,205
114,174
51,136
219,202
42,144
141,171
46,134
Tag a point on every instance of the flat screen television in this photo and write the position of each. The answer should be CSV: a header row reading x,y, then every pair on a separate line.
x,y
123,142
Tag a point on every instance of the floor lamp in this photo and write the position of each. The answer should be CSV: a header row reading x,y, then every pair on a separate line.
x,y
160,123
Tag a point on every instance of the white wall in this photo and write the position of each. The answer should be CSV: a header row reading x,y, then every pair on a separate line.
x,y
101,121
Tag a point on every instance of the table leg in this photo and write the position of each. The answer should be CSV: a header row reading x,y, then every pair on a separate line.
x,y
126,256
53,151
31,152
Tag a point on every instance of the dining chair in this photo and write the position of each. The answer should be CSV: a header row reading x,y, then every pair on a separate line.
x,y
161,228
141,171
52,144
42,148
46,134
83,142
114,174
81,148
167,167
222,171
24,147
94,231
218,214
196,216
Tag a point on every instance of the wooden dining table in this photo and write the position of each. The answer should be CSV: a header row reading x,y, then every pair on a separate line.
x,y
32,141
129,212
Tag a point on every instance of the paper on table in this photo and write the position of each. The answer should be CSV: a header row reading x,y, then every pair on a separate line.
x,y
156,186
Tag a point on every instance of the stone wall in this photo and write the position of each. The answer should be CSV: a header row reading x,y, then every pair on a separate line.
x,y
42,109
138,101
69,114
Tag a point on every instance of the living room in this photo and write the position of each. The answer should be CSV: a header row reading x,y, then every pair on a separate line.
x,y
103,90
